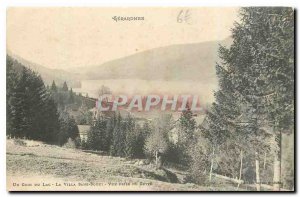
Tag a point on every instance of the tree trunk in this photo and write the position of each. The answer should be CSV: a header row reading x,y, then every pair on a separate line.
x,y
241,167
265,160
212,164
156,159
277,164
257,172
276,179
159,162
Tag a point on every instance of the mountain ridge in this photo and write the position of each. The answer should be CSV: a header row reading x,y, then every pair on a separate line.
x,y
188,62
174,62
48,74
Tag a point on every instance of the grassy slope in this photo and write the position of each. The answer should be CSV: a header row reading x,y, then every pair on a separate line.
x,y
40,162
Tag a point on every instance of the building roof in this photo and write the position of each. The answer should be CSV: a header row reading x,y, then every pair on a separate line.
x,y
83,129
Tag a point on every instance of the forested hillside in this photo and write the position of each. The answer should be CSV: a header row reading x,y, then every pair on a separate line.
x,y
49,75
31,110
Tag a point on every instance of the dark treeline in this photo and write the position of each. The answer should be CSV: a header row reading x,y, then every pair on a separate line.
x,y
66,99
129,137
32,112
119,136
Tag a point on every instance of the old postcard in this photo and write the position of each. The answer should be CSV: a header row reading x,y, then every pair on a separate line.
x,y
150,99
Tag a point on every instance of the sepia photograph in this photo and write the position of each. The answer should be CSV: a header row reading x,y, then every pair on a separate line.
x,y
150,99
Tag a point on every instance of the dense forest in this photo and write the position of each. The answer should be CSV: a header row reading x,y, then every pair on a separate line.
x,y
253,110
247,138
32,112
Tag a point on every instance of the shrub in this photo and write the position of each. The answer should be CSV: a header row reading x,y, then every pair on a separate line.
x,y
70,144
19,142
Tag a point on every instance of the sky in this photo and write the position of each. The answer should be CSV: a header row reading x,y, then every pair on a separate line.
x,y
64,38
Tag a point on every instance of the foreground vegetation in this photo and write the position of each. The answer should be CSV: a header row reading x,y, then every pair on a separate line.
x,y
33,160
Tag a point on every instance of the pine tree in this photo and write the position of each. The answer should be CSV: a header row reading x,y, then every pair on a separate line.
x,y
109,131
71,96
32,113
260,67
97,139
11,80
219,122
68,128
117,138
186,135
139,141
53,87
51,122
65,87
130,136
146,130
187,125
